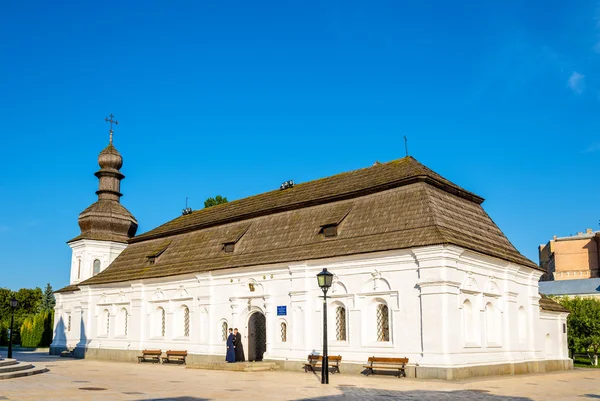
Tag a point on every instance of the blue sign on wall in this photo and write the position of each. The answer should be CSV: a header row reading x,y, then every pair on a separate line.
x,y
282,311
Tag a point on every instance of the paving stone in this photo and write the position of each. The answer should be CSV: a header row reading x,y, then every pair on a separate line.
x,y
175,383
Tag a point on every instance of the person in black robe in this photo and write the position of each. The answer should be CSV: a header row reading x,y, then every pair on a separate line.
x,y
239,348
230,356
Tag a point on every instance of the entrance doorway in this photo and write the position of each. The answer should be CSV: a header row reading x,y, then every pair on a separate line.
x,y
257,336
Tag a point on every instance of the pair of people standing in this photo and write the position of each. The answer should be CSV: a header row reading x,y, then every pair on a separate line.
x,y
235,349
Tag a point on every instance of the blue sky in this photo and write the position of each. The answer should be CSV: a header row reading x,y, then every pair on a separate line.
x,y
234,97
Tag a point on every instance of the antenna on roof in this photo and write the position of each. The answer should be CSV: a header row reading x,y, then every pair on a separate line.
x,y
187,210
406,145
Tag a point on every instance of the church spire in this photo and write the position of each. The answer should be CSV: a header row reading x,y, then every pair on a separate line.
x,y
107,219
110,162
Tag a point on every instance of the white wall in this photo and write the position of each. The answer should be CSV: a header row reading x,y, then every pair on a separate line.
x,y
86,251
425,290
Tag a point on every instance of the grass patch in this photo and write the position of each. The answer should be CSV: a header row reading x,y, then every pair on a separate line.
x,y
584,362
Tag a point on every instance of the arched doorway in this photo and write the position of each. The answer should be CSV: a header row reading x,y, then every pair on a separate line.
x,y
257,336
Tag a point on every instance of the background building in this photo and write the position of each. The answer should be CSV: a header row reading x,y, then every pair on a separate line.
x,y
571,258
581,287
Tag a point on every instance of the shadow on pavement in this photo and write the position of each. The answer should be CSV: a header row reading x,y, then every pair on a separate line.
x,y
35,356
591,396
358,393
175,399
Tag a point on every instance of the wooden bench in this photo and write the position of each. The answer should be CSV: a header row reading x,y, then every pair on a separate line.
x,y
150,355
376,363
316,361
175,356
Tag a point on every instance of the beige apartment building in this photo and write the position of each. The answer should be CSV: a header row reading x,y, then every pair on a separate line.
x,y
571,258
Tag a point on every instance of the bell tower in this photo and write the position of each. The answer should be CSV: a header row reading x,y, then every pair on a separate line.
x,y
105,225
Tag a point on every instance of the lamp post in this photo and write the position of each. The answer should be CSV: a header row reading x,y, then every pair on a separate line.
x,y
325,279
13,306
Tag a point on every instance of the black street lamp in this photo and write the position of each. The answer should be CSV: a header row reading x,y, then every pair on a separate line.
x,y
13,306
325,279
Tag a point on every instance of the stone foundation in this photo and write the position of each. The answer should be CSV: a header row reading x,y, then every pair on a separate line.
x,y
493,370
420,372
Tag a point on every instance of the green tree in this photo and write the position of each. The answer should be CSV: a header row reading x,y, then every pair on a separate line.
x,y
29,303
584,325
217,200
48,299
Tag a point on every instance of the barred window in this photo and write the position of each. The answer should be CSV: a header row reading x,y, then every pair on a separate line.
x,y
340,323
69,322
224,331
125,322
163,318
186,322
107,322
283,332
383,323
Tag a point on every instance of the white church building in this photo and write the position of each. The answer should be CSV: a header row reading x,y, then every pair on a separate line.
x,y
420,271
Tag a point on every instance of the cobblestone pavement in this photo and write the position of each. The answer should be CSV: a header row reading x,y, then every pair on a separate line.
x,y
72,379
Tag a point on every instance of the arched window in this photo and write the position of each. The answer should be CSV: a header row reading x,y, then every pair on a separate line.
x,y
548,345
340,323
97,266
161,322
490,324
522,325
383,322
107,314
224,328
283,328
78,268
122,322
186,321
467,311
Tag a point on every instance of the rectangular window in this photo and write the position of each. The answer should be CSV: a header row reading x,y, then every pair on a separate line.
x,y
330,231
233,236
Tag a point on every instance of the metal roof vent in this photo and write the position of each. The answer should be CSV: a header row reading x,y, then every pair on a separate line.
x,y
286,185
187,210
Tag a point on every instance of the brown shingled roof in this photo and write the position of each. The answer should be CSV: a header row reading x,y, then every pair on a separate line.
x,y
548,304
330,189
396,205
69,288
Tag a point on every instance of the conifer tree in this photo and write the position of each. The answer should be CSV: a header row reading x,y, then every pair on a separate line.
x,y
48,299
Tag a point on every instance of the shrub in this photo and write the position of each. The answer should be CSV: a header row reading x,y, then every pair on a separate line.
x,y
36,330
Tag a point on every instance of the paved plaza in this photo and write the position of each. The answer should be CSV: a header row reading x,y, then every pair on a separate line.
x,y
73,379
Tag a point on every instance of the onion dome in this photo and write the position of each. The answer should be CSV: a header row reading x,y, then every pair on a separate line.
x,y
110,158
107,219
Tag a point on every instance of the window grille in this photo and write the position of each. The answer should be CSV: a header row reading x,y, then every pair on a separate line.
x,y
224,331
383,323
107,322
283,332
163,322
125,322
69,323
340,323
186,322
